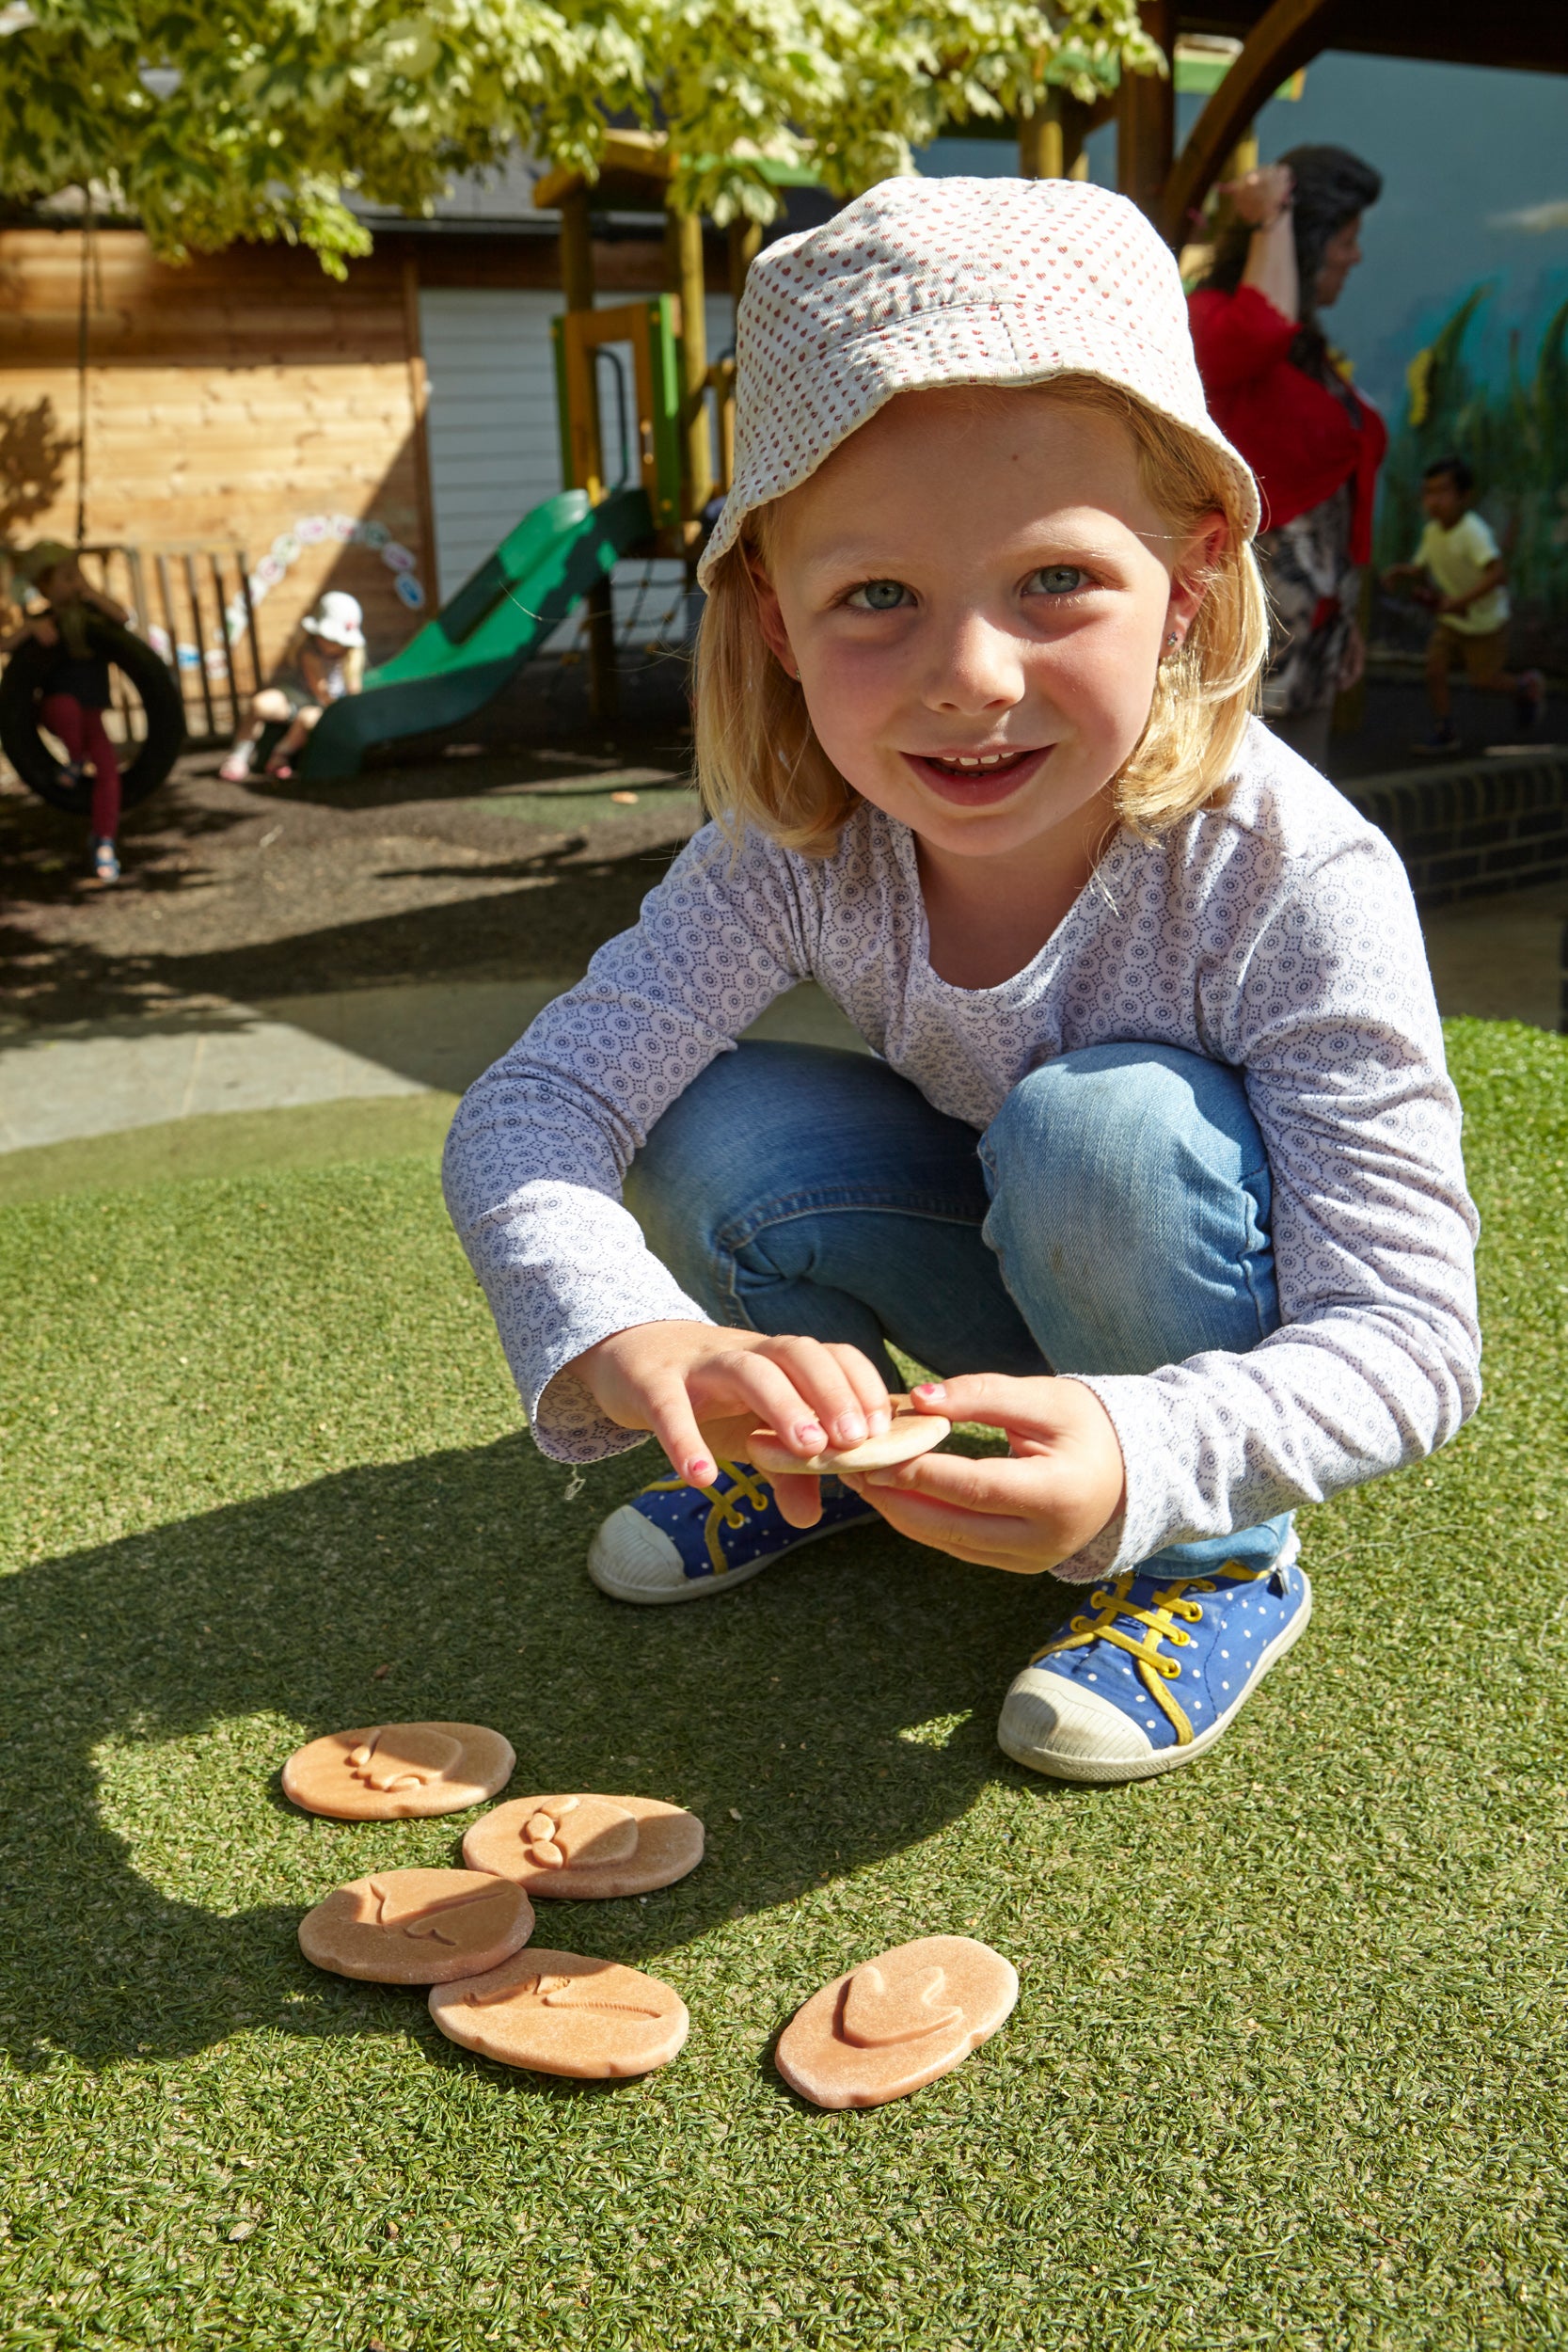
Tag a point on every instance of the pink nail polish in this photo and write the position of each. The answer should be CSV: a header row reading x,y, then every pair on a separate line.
x,y
699,1471
929,1388
813,1433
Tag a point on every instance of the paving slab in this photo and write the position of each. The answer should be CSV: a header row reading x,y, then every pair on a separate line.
x,y
95,1078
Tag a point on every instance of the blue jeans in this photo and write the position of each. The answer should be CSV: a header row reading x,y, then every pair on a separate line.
x,y
1112,1218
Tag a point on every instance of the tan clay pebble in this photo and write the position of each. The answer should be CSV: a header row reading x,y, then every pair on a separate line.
x,y
896,2022
577,1846
417,1927
399,1771
560,2013
909,1434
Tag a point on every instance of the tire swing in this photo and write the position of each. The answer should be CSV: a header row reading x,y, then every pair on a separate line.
x,y
22,690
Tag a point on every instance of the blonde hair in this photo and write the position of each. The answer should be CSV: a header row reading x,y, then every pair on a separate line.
x,y
759,759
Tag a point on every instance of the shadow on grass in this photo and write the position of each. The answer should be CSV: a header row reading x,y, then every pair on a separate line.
x,y
786,1705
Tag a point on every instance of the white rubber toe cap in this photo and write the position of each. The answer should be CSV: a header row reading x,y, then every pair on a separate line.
x,y
1056,1726
631,1559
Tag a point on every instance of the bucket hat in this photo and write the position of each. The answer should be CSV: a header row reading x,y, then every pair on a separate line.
x,y
927,282
37,561
338,617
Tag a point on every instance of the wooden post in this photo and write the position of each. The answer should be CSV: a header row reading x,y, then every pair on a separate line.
x,y
419,400
684,239
745,240
576,283
1146,118
1051,139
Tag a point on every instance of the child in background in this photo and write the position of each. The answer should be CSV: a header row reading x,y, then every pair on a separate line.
x,y
76,689
328,661
1460,556
1156,1165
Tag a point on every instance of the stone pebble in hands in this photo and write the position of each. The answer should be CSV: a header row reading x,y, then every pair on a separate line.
x,y
399,1771
910,1433
571,1847
563,2013
896,2022
417,1927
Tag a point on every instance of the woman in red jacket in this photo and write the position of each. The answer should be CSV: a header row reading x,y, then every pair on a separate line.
x,y
1285,401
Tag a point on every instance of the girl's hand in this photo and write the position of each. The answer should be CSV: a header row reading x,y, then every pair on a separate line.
x,y
1262,196
1062,1481
701,1390
1353,661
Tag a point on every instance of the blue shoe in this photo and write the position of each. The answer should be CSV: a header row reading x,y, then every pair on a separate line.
x,y
1153,1669
675,1542
104,862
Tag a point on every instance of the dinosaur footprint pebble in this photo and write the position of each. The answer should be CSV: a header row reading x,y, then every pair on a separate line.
x,y
896,2022
399,1771
417,1927
560,2013
571,1847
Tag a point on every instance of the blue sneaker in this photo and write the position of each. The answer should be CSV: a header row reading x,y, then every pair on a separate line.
x,y
675,1542
1154,1669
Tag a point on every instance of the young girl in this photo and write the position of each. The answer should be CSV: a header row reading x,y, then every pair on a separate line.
x,y
1157,1166
328,659
76,689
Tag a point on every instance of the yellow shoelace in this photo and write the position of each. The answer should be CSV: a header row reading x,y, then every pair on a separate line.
x,y
1166,1605
749,1487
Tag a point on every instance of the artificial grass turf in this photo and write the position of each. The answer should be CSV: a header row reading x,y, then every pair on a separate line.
x,y
1288,2066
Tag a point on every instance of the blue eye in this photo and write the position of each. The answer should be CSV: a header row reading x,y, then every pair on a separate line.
x,y
1059,580
878,596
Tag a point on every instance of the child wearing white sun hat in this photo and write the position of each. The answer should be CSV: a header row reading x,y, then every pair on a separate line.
x,y
326,662
1154,1164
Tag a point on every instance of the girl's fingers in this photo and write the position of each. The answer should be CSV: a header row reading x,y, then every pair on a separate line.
x,y
868,1385
674,1424
799,1499
990,1398
984,1538
829,1404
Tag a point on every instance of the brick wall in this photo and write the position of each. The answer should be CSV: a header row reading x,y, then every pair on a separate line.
x,y
1471,828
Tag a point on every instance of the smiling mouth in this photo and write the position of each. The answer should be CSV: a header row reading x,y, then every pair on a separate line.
x,y
984,773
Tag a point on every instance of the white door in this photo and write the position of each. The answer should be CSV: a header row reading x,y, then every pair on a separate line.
x,y
495,442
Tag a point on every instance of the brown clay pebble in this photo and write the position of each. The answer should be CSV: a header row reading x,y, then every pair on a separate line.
x,y
910,1433
562,2015
417,1927
399,1771
579,1846
896,2022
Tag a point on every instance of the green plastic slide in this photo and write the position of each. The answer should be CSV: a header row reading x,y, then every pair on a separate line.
x,y
485,632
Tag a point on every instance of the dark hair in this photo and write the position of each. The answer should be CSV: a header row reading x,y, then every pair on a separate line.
x,y
1332,188
1458,471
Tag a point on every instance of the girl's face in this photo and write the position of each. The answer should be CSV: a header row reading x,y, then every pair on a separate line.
x,y
1341,254
975,593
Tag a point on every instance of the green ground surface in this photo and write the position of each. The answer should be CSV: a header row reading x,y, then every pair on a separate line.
x,y
1288,2068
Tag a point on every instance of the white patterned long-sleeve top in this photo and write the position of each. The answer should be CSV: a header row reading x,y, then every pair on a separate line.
x,y
1274,933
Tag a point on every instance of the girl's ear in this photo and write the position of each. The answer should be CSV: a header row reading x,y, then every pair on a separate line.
x,y
770,616
1195,567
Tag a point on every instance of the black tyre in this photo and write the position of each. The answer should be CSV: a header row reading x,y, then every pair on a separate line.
x,y
20,691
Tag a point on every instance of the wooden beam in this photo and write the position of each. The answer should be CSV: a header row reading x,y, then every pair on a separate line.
x,y
418,397
1051,139
576,284
686,254
745,244
1287,35
1145,116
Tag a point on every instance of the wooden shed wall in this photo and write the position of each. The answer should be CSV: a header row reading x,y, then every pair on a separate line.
x,y
224,400
228,398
